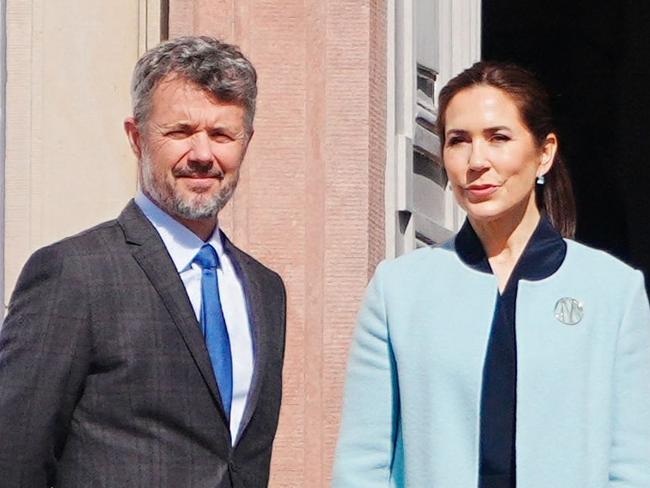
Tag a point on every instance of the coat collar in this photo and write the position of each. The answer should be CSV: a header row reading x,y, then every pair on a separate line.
x,y
258,313
151,254
542,257
182,244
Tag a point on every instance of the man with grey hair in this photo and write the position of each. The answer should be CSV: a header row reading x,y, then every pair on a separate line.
x,y
147,351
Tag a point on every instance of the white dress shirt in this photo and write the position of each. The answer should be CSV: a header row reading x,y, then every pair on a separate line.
x,y
183,245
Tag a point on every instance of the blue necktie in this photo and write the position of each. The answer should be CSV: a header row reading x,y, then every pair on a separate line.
x,y
213,324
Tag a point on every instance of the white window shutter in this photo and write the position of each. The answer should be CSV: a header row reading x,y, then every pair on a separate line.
x,y
429,35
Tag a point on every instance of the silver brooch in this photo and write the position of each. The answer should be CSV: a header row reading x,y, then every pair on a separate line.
x,y
569,311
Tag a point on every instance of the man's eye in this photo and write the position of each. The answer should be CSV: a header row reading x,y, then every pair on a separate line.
x,y
220,137
177,134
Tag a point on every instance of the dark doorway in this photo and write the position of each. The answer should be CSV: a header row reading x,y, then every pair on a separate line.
x,y
595,59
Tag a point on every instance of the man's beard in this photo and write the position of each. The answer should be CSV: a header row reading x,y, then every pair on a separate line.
x,y
194,207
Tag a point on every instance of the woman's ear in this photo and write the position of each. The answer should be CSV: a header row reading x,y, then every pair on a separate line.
x,y
549,149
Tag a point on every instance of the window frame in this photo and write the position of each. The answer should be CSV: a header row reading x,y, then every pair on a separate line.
x,y
412,220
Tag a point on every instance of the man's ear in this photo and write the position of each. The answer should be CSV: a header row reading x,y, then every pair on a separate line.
x,y
248,141
134,136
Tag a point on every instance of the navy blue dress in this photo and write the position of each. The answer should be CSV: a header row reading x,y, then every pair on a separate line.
x,y
541,257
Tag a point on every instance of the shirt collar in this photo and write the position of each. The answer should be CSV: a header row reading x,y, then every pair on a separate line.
x,y
542,256
182,244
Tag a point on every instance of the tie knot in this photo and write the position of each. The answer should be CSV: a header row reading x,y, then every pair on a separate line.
x,y
207,257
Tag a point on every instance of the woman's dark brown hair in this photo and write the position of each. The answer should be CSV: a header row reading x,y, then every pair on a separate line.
x,y
555,198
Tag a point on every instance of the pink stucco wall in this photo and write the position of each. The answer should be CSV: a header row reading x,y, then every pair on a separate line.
x,y
310,200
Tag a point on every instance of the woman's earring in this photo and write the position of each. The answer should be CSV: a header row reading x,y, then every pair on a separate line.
x,y
540,180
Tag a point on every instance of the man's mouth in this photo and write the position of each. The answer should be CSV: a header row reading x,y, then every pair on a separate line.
x,y
199,176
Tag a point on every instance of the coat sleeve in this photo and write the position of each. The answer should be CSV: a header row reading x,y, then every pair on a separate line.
x,y
630,451
43,360
366,446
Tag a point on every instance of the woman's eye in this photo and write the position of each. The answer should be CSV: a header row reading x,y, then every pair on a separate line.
x,y
452,141
500,138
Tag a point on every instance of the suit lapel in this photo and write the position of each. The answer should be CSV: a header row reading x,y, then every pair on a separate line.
x,y
150,253
257,316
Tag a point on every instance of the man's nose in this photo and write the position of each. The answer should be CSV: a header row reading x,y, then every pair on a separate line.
x,y
200,151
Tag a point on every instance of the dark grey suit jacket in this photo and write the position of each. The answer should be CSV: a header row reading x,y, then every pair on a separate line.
x,y
105,380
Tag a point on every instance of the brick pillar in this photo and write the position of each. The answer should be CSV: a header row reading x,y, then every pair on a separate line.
x,y
310,200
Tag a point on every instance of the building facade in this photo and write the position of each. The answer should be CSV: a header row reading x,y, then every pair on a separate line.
x,y
343,171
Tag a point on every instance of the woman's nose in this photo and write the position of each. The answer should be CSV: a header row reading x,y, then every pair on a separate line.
x,y
478,159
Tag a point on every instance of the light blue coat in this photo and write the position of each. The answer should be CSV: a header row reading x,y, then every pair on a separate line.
x,y
413,390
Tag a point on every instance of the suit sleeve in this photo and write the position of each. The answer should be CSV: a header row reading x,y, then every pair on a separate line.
x,y
630,451
366,445
43,359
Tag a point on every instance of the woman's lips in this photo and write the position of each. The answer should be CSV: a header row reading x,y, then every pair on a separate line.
x,y
481,191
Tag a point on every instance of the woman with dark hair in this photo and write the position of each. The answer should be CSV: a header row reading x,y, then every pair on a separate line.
x,y
509,356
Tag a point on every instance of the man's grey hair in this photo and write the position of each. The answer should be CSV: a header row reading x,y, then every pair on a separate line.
x,y
216,66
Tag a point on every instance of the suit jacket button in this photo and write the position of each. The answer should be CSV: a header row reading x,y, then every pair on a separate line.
x,y
232,466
